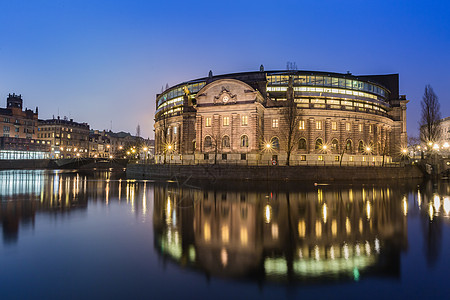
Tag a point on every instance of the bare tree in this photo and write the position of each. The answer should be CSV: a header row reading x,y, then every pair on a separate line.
x,y
430,116
290,117
216,139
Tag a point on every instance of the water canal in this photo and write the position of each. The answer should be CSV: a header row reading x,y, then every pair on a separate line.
x,y
99,235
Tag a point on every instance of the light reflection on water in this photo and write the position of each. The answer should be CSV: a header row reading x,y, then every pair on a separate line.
x,y
316,234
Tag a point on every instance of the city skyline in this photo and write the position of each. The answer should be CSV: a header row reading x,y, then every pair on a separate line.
x,y
100,61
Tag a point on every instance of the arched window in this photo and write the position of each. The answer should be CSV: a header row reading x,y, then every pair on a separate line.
x,y
208,141
302,144
275,143
226,142
335,145
348,146
244,141
319,144
360,147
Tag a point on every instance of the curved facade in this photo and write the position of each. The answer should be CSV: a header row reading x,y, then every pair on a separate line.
x,y
268,116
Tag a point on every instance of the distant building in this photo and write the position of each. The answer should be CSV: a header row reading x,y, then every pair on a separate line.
x,y
67,138
16,122
444,129
99,145
18,132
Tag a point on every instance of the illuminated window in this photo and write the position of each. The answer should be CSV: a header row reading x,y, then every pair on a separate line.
x,y
226,142
208,122
350,158
360,127
333,125
319,125
320,158
275,143
364,158
244,120
347,126
336,158
370,128
301,125
275,123
175,129
226,121
334,144
302,157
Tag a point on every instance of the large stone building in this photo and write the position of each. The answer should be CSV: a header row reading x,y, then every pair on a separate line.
x,y
67,138
261,117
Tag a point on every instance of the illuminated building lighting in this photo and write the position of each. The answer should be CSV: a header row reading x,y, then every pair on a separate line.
x,y
275,231
268,146
446,145
225,234
267,213
345,249
430,144
316,252
224,257
446,205
128,152
367,246
405,206
358,250
348,226
78,154
368,208
207,232
324,210
436,147
377,246
436,202
431,211
301,228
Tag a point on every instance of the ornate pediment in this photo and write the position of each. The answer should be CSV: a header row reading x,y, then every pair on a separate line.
x,y
225,97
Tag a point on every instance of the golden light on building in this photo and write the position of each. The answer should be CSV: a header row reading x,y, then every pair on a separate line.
x,y
447,205
244,236
318,229
301,228
334,228
368,209
225,234
436,202
324,212
348,226
207,232
267,213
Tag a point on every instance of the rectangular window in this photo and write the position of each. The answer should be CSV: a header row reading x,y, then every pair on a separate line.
x,y
336,158
320,157
333,125
347,126
303,157
301,125
5,128
244,120
226,121
350,158
275,123
224,157
360,127
319,125
370,128
16,129
364,158
175,129
208,122
243,156
206,156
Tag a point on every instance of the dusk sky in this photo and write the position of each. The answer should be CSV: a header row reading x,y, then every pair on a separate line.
x,y
103,61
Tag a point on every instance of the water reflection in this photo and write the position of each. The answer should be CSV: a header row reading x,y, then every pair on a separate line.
x,y
318,234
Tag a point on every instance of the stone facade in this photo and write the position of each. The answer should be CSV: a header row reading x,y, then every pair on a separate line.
x,y
264,116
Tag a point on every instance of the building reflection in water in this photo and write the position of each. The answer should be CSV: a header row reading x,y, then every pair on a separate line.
x,y
433,202
24,193
323,233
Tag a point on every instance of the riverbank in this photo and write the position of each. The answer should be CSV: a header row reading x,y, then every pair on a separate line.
x,y
273,173
83,164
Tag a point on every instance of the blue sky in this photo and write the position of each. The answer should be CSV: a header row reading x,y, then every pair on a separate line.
x,y
103,62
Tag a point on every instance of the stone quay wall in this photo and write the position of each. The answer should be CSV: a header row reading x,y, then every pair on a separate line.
x,y
272,173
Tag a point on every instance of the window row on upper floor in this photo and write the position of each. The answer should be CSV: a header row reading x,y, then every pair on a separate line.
x,y
327,81
180,91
